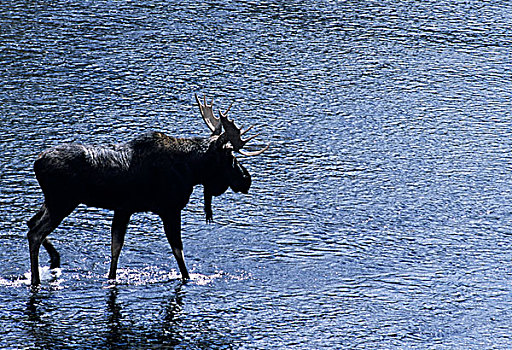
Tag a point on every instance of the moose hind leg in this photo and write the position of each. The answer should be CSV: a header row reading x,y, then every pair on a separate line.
x,y
54,254
41,225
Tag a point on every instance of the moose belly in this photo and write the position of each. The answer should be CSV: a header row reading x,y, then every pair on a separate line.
x,y
134,197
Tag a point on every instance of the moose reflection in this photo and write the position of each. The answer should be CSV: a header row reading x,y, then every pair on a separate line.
x,y
152,173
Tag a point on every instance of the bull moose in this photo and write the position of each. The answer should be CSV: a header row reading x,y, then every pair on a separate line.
x,y
151,173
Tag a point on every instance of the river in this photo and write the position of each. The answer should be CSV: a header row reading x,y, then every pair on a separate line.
x,y
380,217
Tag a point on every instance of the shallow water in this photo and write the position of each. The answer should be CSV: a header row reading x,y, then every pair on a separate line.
x,y
379,218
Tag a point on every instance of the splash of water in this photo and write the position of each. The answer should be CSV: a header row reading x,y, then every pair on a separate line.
x,y
152,274
47,275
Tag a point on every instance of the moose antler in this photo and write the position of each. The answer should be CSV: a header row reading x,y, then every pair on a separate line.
x,y
233,134
207,113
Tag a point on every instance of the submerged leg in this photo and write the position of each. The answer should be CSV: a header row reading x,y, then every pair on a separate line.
x,y
41,225
119,225
172,227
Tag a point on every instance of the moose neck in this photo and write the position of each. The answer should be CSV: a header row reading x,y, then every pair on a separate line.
x,y
208,167
201,155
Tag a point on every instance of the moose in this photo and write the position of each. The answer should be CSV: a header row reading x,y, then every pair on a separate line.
x,y
151,173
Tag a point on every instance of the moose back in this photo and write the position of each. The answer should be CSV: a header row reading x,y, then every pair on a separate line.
x,y
151,173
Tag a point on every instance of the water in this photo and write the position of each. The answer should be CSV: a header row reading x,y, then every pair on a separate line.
x,y
380,217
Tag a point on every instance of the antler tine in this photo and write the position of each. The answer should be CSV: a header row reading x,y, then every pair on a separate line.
x,y
250,138
243,132
255,153
197,100
206,103
227,110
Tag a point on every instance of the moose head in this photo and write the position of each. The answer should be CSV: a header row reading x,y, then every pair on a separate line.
x,y
230,173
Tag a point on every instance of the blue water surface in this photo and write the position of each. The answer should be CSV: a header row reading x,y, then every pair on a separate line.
x,y
380,217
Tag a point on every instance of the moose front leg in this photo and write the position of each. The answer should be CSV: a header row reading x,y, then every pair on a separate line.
x,y
119,225
172,227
